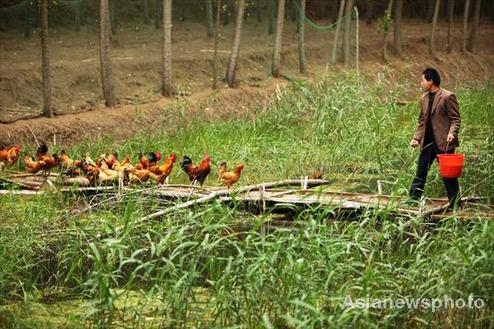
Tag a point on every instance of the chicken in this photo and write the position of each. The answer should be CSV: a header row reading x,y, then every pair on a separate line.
x,y
69,165
44,163
99,176
112,160
10,155
197,173
317,173
160,173
137,176
124,167
228,178
148,159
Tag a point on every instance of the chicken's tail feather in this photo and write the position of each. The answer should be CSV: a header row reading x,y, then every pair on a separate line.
x,y
42,149
186,162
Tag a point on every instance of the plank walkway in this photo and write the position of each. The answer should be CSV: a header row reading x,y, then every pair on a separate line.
x,y
286,195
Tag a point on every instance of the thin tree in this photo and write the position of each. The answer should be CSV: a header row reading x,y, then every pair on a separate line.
x,y
475,24
158,10
430,11
397,26
337,32
333,10
346,39
45,60
464,33
258,10
384,24
432,45
451,13
271,9
301,37
167,88
280,19
209,17
216,44
145,14
233,60
28,19
104,54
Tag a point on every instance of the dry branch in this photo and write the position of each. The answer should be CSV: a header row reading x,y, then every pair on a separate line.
x,y
219,193
436,210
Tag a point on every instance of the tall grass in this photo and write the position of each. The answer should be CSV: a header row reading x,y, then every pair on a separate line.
x,y
216,266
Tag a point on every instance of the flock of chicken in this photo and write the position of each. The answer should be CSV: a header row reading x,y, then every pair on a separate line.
x,y
108,169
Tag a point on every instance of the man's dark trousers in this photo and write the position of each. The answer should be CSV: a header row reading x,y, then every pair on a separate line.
x,y
426,158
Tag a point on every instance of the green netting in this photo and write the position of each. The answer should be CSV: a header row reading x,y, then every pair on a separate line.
x,y
321,27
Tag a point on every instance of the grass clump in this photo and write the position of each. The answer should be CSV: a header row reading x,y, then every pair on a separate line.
x,y
217,266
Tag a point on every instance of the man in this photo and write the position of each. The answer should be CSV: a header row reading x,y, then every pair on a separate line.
x,y
436,133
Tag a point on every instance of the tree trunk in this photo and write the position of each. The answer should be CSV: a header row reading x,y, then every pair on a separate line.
x,y
209,17
385,34
272,6
158,10
430,11
232,62
167,88
293,11
451,14
275,67
216,44
397,26
226,12
464,33
45,60
475,24
78,18
337,32
301,28
104,53
258,10
28,20
432,46
348,21
368,11
145,17
334,10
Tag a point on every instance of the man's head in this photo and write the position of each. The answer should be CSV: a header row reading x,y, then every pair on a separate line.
x,y
430,78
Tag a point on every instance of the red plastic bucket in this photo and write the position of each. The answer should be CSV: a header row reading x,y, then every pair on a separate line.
x,y
451,165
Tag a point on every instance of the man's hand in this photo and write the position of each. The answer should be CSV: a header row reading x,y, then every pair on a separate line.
x,y
450,138
414,143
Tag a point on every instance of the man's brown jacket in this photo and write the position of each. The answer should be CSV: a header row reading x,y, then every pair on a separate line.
x,y
445,118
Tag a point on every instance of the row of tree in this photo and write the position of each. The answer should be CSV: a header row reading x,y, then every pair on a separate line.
x,y
469,30
392,15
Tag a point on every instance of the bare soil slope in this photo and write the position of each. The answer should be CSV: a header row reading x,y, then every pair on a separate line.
x,y
137,64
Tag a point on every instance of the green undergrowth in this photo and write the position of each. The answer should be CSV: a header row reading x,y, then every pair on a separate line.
x,y
218,266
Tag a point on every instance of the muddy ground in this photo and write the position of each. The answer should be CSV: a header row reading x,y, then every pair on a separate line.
x,y
136,53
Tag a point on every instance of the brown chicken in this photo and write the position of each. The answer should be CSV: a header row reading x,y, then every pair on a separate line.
x,y
10,155
99,176
137,176
228,178
70,166
148,159
44,163
197,173
160,173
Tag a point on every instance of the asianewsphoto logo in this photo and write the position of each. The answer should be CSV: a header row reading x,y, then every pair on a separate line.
x,y
414,303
